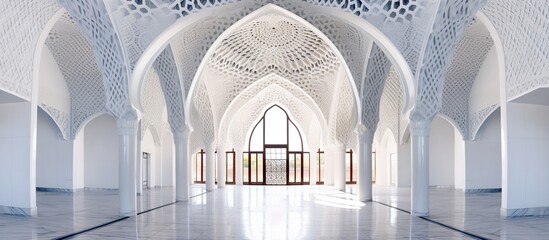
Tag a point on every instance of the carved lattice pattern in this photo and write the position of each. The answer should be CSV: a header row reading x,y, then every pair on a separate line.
x,y
275,166
470,54
299,109
389,112
153,104
139,22
166,66
477,119
97,27
376,73
196,140
204,117
346,117
404,22
61,119
524,32
351,43
190,46
75,59
296,54
452,19
21,24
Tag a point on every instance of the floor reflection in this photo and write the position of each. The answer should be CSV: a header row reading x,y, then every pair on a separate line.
x,y
272,212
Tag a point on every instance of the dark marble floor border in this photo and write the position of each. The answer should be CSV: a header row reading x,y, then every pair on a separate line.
x,y
436,222
61,190
482,190
71,235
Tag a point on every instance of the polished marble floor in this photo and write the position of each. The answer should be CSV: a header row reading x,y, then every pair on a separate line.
x,y
275,212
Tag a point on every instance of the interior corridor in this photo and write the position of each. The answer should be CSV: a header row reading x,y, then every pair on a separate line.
x,y
274,212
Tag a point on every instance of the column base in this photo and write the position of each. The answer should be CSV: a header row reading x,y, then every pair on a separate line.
x,y
420,214
28,212
128,214
182,199
522,212
210,189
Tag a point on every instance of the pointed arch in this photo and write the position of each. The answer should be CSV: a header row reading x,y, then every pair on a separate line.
x,y
380,39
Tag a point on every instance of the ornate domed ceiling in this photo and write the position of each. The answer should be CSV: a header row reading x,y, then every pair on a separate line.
x,y
274,44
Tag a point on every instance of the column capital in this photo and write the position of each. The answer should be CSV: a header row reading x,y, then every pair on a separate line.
x,y
339,147
365,134
220,147
209,147
238,149
127,125
181,136
420,127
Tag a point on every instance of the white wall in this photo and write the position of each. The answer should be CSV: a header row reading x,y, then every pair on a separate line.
x,y
483,156
159,161
459,161
404,165
441,153
387,146
78,161
101,153
485,89
54,167
525,168
17,165
168,160
148,146
53,90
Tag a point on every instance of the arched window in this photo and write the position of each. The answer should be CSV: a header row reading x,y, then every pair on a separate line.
x,y
275,151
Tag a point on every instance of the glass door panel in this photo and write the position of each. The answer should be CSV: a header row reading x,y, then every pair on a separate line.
x,y
230,167
199,167
299,168
320,167
291,172
245,168
306,167
350,168
275,165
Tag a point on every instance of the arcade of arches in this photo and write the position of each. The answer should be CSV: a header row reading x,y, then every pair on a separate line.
x,y
420,100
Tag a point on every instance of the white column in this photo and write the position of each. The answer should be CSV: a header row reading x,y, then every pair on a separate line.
x,y
210,167
419,130
156,167
339,167
127,140
181,139
221,167
366,138
190,156
139,162
329,165
238,165
313,166
525,155
18,158
78,161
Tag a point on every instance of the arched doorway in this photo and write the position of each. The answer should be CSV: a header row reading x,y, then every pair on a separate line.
x,y
275,153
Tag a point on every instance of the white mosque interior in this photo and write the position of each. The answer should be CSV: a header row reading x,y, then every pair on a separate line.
x,y
274,119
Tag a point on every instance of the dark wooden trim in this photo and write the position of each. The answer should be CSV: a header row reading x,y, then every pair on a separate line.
x,y
319,180
350,152
201,154
227,167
